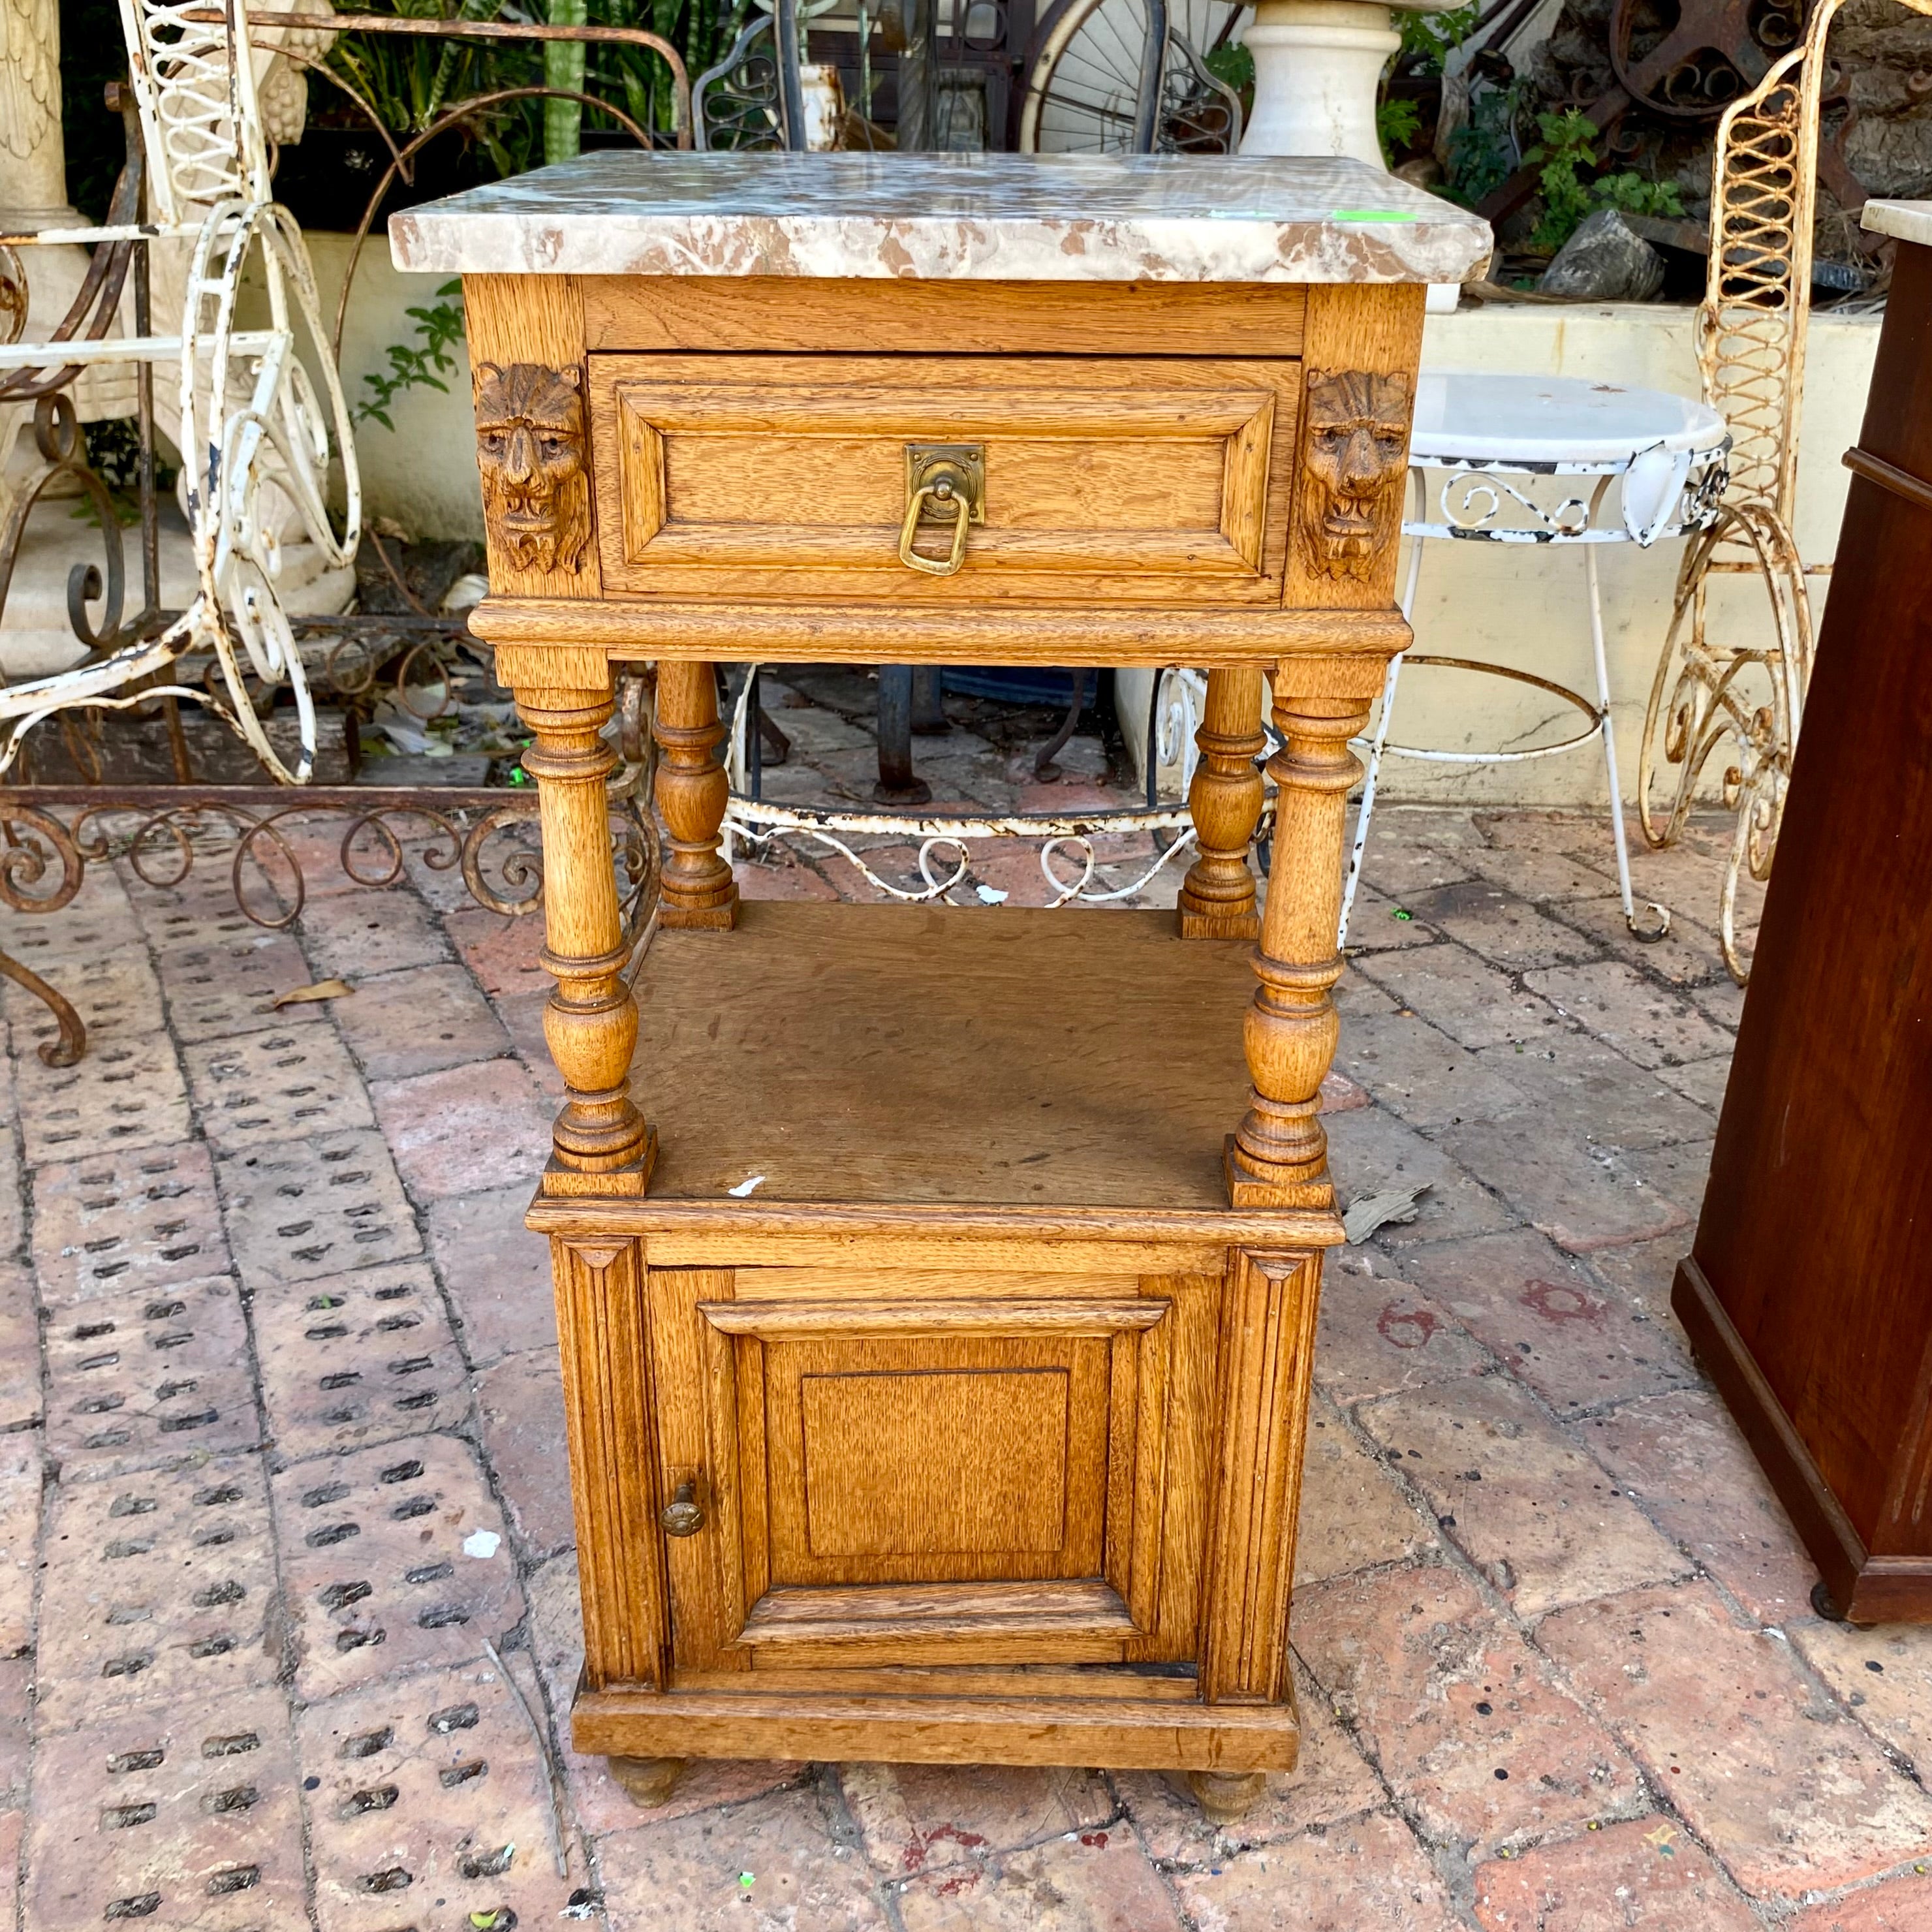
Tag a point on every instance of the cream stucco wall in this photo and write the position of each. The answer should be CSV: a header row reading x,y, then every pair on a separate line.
x,y
1519,605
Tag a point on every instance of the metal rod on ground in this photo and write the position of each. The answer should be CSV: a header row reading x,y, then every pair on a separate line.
x,y
928,701
898,783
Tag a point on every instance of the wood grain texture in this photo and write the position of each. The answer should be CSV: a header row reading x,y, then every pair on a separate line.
x,y
610,1415
1267,1346
696,1431
1161,1684
822,1049
936,1459
922,1286
1806,1288
1078,1621
1279,1154
531,318
590,1023
699,893
1127,1734
996,1439
1217,897
929,1315
1070,1241
1375,329
878,318
1182,1472
1345,652
775,477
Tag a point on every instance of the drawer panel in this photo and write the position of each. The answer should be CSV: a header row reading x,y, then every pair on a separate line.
x,y
1120,479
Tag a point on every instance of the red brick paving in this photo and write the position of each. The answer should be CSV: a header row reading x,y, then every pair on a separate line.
x,y
1902,1904
465,1129
1542,1522
1607,1471
1644,1875
1788,1789
1458,1712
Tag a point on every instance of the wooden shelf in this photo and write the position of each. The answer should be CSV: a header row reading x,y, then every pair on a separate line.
x,y
922,1055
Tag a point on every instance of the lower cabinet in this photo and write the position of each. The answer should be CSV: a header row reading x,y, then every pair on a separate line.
x,y
955,1503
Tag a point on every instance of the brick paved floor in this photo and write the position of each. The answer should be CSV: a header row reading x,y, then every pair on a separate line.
x,y
287,1588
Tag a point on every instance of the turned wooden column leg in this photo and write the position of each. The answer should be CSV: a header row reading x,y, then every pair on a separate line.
x,y
698,890
1217,897
1278,1156
591,1022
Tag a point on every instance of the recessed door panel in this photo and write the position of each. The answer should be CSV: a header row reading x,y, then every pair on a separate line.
x,y
936,1458
935,1462
977,1478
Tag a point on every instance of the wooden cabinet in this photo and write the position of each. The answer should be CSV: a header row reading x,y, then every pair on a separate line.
x,y
937,1287
1806,1292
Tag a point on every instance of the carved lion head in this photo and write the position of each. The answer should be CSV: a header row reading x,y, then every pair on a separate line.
x,y
1354,441
529,448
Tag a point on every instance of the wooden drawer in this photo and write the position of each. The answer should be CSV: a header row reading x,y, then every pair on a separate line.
x,y
1115,479
958,1472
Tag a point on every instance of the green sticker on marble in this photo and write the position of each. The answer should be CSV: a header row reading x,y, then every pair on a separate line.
x,y
1370,215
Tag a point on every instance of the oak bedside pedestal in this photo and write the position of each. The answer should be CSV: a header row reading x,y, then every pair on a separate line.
x,y
937,1286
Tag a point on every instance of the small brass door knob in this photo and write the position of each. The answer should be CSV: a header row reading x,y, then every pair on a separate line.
x,y
684,1514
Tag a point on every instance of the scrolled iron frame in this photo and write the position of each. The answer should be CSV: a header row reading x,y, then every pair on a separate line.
x,y
127,657
1752,330
161,831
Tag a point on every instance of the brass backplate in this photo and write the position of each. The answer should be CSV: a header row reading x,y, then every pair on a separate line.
x,y
966,461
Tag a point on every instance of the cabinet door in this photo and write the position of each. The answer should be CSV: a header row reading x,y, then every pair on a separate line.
x,y
927,1478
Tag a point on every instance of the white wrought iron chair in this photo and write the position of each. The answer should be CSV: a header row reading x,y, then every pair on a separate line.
x,y
260,402
1710,694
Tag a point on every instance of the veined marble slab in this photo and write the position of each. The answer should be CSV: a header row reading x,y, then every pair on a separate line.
x,y
1909,220
975,217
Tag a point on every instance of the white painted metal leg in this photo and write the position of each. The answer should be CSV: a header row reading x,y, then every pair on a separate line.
x,y
1609,736
1607,730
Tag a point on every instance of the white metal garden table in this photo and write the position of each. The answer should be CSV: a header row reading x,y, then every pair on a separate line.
x,y
1495,436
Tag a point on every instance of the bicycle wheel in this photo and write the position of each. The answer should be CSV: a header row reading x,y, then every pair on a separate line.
x,y
1082,93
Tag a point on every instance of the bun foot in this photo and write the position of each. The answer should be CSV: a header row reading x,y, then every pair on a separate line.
x,y
1225,1795
647,1781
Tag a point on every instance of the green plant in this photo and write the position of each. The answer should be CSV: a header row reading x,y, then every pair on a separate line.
x,y
113,447
1397,123
1426,40
1429,39
1568,143
1631,193
1483,152
1233,64
410,81
418,364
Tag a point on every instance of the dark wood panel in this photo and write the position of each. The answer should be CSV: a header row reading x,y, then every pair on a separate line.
x,y
1813,1236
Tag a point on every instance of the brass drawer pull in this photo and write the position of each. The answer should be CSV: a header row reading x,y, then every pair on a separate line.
x,y
942,479
684,1514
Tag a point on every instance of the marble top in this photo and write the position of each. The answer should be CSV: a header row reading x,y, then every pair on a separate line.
x,y
1005,218
1909,220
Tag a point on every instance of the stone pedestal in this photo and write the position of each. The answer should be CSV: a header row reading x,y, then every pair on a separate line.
x,y
1317,64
